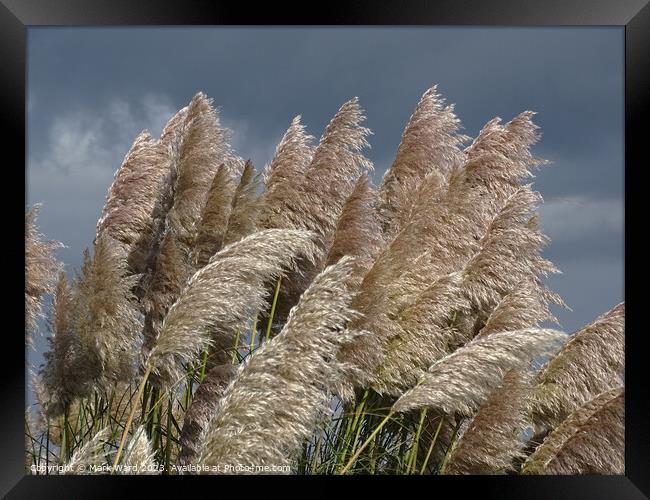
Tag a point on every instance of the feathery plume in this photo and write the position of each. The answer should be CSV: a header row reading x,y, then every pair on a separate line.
x,y
420,334
89,455
245,206
463,380
591,362
67,370
198,149
509,252
314,201
197,145
203,407
127,215
105,314
430,141
590,441
274,402
317,197
358,233
523,307
492,440
214,218
499,159
219,299
139,456
285,175
41,268
420,322
37,418
292,156
338,156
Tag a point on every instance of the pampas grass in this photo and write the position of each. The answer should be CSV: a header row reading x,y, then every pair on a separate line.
x,y
492,440
462,381
131,199
273,403
590,441
214,218
245,206
90,455
219,298
592,361
303,321
139,457
41,269
430,141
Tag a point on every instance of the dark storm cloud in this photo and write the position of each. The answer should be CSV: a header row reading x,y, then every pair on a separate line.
x,y
92,90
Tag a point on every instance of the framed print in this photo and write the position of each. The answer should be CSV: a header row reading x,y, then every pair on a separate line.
x,y
381,242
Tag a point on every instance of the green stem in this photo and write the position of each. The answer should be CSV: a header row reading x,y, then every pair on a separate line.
x,y
204,362
64,438
234,351
127,426
452,445
273,305
416,441
366,443
433,443
168,444
355,425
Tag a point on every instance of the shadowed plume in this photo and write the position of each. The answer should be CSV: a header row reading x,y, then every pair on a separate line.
x,y
197,146
245,206
592,361
492,440
67,366
590,441
127,215
202,409
358,232
214,218
314,201
105,316
430,141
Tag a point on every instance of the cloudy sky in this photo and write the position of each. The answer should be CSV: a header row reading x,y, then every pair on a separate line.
x,y
90,91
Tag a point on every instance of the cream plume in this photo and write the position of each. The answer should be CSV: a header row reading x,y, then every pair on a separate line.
x,y
292,156
214,218
221,297
139,456
281,391
41,269
463,380
358,232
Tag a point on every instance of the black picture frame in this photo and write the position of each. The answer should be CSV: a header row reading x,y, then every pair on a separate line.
x,y
16,16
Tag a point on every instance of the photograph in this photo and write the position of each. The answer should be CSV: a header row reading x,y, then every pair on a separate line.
x,y
325,250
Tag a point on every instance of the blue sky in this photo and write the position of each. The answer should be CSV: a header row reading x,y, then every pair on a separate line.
x,y
91,90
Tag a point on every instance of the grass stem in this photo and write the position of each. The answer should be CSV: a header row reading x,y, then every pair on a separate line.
x,y
127,426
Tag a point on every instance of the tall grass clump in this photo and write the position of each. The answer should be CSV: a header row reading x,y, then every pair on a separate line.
x,y
301,320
